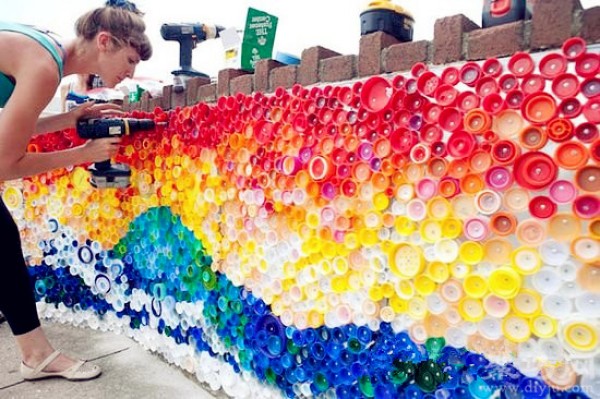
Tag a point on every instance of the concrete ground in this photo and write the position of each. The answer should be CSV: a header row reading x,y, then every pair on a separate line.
x,y
129,371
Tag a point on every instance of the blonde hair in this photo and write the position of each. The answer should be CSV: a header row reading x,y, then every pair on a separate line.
x,y
126,27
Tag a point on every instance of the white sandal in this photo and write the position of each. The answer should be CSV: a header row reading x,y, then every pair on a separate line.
x,y
80,371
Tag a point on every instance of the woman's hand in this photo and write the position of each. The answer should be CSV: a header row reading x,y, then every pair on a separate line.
x,y
91,110
99,150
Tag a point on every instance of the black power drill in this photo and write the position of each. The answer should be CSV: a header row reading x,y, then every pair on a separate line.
x,y
105,174
188,35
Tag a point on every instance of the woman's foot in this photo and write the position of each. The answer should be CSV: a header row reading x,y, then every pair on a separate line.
x,y
59,365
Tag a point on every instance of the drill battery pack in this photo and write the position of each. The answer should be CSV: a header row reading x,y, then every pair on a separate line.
x,y
499,12
384,16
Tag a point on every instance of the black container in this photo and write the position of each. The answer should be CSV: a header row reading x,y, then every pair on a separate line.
x,y
498,12
389,21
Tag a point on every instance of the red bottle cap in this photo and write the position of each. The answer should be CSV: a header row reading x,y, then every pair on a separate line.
x,y
539,107
595,150
586,132
565,85
508,82
573,48
587,65
486,85
542,207
533,137
450,119
521,64
560,129
552,65
591,110
445,95
345,95
586,206
431,112
532,83
591,87
414,102
450,76
431,133
470,73
428,83
570,107
493,103
398,82
467,100
492,67
505,152
460,144
418,69
376,93
535,170
514,99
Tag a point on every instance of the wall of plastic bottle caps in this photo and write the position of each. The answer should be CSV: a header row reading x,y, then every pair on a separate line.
x,y
433,234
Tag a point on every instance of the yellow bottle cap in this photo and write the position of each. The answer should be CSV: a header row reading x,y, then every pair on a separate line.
x,y
516,328
381,201
464,206
404,226
564,227
451,228
459,270
424,285
438,208
594,228
470,252
504,282
471,309
406,261
438,271
586,249
417,308
446,250
475,286
431,230
527,303
405,289
581,336
544,326
526,260
405,193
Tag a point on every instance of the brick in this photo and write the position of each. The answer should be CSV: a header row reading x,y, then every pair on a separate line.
x,y
590,29
369,53
448,37
308,70
207,93
282,77
155,102
166,97
144,101
242,84
191,88
178,99
497,41
225,75
262,69
338,68
552,22
402,56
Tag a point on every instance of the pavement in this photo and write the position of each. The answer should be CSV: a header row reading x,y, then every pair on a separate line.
x,y
129,371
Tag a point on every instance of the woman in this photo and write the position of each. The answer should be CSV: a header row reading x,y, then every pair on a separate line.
x,y
110,42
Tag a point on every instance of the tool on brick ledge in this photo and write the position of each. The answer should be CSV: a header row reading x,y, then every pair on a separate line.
x,y
105,174
385,16
498,12
188,35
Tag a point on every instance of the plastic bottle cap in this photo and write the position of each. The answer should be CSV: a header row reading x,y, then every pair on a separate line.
x,y
486,85
516,328
435,304
469,73
587,65
574,47
591,110
504,152
556,306
542,207
450,119
492,67
564,227
477,121
586,206
565,85
467,101
546,281
493,103
490,327
539,107
488,202
532,83
521,64
430,230
530,232
590,87
476,229
588,277
451,291
535,170
588,178
581,336
588,304
508,124
480,161
495,306
375,93
562,191
527,303
498,178
406,261
438,208
504,282
543,326
427,83
552,65
471,309
475,286
460,144
508,82
470,252
554,253
570,108
586,248
416,209
456,337
516,199
451,228
526,260
426,189
588,133
533,137
497,251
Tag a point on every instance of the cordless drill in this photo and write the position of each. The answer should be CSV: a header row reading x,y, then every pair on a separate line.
x,y
188,35
105,174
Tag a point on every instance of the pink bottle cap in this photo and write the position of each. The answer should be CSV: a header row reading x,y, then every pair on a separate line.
x,y
586,206
460,144
514,99
570,107
476,229
521,64
587,132
426,189
467,101
562,191
553,65
499,178
565,85
591,110
591,87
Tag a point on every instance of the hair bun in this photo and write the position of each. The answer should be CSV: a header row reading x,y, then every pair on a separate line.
x,y
124,4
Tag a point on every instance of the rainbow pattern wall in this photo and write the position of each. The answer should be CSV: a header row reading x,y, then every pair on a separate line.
x,y
432,234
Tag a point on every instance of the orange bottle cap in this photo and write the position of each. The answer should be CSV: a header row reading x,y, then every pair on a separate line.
x,y
539,107
571,155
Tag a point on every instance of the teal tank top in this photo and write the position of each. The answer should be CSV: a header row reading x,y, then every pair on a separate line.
x,y
7,85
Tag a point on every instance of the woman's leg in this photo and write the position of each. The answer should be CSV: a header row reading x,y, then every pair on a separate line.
x,y
17,301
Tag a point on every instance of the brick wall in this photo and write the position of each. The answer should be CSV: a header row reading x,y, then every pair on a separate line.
x,y
455,38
